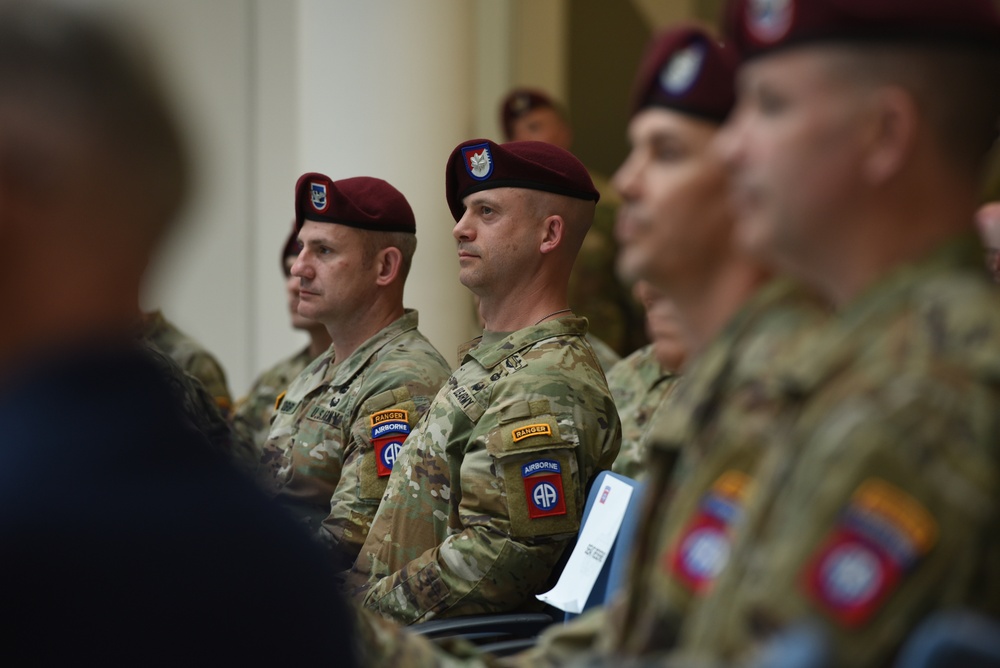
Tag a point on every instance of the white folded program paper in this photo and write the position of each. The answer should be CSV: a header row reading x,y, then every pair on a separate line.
x,y
592,547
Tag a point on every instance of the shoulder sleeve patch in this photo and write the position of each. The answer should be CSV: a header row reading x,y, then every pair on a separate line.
x,y
879,538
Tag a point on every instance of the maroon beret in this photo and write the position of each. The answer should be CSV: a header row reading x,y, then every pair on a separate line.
x,y
754,27
686,69
291,247
480,164
363,202
519,102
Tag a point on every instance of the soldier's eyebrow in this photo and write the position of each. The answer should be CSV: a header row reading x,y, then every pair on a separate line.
x,y
482,201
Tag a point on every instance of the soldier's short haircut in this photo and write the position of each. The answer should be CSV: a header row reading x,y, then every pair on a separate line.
x,y
71,73
374,241
578,215
956,88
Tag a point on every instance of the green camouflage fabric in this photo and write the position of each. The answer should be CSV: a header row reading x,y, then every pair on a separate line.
x,y
320,458
709,435
606,357
639,386
189,355
879,499
252,415
489,488
201,412
594,289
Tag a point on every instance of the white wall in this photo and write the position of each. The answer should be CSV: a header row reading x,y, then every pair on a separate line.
x,y
272,89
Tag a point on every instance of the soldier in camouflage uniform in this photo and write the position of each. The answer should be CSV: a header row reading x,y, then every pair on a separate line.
x,y
643,381
338,428
252,415
489,488
707,439
877,502
189,355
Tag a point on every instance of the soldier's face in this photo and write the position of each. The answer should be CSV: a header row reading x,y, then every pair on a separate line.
x,y
794,146
674,220
495,246
334,283
292,295
544,124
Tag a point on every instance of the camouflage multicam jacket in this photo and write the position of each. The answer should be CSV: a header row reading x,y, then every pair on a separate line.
x,y
489,488
703,448
339,427
189,355
252,415
879,498
640,387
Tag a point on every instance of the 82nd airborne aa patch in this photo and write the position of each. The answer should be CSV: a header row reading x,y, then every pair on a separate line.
x,y
389,429
543,488
704,547
880,536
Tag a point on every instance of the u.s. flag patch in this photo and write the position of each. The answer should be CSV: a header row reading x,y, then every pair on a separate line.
x,y
478,161
317,195
543,488
389,429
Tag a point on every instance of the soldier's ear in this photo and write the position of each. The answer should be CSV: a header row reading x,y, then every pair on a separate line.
x,y
553,230
388,262
894,120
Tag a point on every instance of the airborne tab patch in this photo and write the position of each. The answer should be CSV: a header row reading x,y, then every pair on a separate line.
x,y
389,429
530,430
543,488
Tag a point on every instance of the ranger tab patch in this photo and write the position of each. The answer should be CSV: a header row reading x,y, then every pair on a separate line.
x,y
543,488
389,429
530,430
704,546
880,536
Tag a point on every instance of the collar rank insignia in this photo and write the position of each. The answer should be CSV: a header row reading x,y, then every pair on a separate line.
x,y
317,193
478,161
543,488
389,429
703,548
878,540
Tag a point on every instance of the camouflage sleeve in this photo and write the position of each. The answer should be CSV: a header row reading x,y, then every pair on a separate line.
x,y
206,369
383,423
396,395
889,510
522,477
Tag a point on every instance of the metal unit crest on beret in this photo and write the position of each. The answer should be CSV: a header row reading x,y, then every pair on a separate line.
x,y
478,161
769,20
317,196
682,70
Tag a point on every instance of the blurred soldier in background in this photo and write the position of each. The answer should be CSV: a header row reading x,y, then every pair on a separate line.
x,y
121,530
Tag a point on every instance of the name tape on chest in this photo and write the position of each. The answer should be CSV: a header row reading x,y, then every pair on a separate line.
x,y
543,488
877,541
703,549
389,429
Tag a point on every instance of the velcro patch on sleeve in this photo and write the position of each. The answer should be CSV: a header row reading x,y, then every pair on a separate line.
x,y
879,538
543,488
703,549
389,429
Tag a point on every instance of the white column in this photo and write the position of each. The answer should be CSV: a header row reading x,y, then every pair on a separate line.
x,y
386,89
